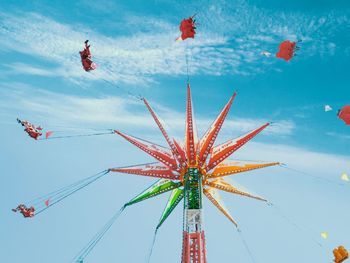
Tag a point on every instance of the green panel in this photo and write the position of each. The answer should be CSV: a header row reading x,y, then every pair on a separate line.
x,y
193,189
174,199
160,187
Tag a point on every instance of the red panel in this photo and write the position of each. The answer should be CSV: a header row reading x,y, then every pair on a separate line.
x,y
190,135
161,155
152,170
182,154
160,126
221,152
209,138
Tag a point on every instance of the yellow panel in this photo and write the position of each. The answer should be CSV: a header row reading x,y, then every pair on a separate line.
x,y
221,184
214,197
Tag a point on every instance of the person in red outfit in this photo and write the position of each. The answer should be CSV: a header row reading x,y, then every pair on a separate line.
x,y
25,211
33,131
187,28
85,56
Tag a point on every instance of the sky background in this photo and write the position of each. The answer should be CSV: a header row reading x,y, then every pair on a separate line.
x,y
42,81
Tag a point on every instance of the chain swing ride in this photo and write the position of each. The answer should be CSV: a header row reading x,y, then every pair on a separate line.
x,y
187,171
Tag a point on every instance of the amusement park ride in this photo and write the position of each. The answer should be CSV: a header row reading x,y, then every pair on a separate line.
x,y
191,171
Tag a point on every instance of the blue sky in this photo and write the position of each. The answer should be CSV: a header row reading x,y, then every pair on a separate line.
x,y
133,42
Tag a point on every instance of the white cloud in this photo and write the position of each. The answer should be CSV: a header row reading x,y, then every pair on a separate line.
x,y
338,135
131,59
303,160
21,68
229,41
52,108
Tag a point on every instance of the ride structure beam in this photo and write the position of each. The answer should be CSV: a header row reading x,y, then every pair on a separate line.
x,y
223,151
193,245
209,137
161,155
190,131
181,152
225,186
158,188
174,150
157,170
233,167
214,197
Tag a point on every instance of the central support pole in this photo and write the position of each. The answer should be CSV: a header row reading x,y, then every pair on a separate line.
x,y
193,246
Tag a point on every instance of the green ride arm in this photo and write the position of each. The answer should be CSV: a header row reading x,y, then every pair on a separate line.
x,y
158,188
174,199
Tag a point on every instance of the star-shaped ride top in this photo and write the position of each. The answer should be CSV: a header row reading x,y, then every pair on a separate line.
x,y
174,162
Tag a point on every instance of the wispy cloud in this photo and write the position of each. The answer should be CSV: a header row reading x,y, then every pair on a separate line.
x,y
259,28
338,135
53,109
131,59
22,68
115,112
230,39
303,160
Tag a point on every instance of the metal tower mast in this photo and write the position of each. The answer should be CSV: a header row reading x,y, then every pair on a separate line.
x,y
193,245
